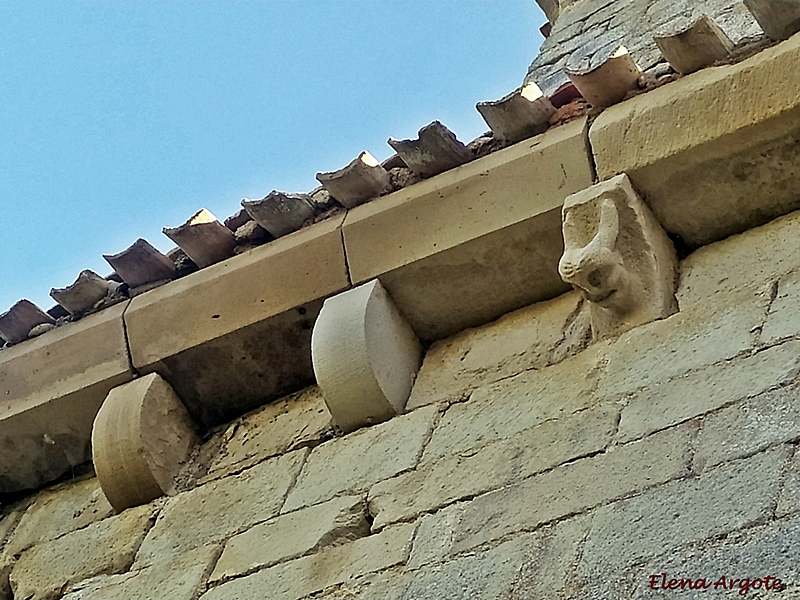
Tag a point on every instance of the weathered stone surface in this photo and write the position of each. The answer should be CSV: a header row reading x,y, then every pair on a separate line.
x,y
141,438
80,297
365,356
40,329
605,78
502,409
363,179
435,150
252,233
220,509
523,113
673,401
238,219
443,481
44,571
618,257
204,239
141,263
552,495
290,536
310,574
723,500
280,213
748,427
356,462
529,338
742,160
299,420
783,319
753,259
17,321
51,389
789,500
683,342
500,248
691,45
57,512
780,19
238,334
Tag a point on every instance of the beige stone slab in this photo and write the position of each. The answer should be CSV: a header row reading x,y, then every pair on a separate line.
x,y
304,576
44,571
783,320
237,333
51,388
357,461
220,509
305,531
475,242
715,152
458,476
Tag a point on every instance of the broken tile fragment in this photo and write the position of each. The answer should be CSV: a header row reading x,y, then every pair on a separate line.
x,y
40,329
252,233
237,220
691,45
523,113
363,179
204,239
87,291
393,161
435,150
17,322
401,177
780,19
280,213
606,77
141,263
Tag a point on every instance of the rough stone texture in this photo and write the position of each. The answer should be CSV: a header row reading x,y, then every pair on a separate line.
x,y
289,536
502,409
87,290
204,239
789,501
301,419
783,320
606,77
724,157
299,578
354,463
529,338
667,403
17,322
45,570
780,19
692,45
522,113
57,512
461,249
363,179
141,263
443,481
280,213
220,509
435,150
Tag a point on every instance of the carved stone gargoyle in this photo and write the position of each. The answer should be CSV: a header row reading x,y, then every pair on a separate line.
x,y
618,257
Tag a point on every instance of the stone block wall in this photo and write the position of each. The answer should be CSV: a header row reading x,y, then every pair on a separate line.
x,y
517,473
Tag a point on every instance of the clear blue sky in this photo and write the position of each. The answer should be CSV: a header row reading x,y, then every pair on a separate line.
x,y
120,118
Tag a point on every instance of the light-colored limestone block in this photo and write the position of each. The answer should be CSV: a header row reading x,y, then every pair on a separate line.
x,y
691,45
354,463
51,388
286,537
783,320
44,571
140,264
237,334
363,179
714,153
310,574
204,239
17,322
789,500
141,438
605,78
467,246
214,512
435,150
618,257
280,213
89,289
780,19
521,114
365,356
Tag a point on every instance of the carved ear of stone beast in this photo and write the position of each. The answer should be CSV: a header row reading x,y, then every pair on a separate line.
x,y
618,257
365,356
141,438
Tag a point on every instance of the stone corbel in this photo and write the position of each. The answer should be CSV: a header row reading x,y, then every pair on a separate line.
x,y
618,257
141,438
365,356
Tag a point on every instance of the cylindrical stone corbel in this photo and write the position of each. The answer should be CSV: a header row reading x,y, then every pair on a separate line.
x,y
365,356
204,239
435,150
607,77
89,289
361,180
140,264
780,19
141,438
17,322
280,213
691,45
521,114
